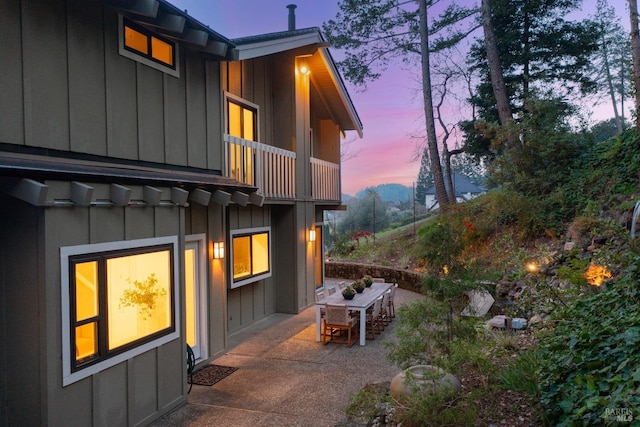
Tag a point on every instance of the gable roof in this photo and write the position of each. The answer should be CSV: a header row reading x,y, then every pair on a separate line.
x,y
461,184
324,72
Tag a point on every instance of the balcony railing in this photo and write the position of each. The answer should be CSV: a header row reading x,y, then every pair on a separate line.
x,y
269,168
273,170
325,180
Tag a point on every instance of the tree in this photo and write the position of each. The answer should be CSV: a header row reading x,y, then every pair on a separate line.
x,y
425,179
373,32
541,54
612,59
635,54
495,70
366,214
539,161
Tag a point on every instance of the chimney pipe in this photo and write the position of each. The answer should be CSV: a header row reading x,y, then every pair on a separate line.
x,y
292,16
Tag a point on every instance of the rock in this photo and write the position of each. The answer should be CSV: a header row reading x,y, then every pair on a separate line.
x,y
427,378
517,290
503,287
569,245
538,318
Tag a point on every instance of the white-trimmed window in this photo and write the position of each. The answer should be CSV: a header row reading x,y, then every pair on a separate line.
x,y
140,44
242,122
250,255
118,301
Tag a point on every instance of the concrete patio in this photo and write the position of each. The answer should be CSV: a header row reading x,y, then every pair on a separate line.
x,y
285,377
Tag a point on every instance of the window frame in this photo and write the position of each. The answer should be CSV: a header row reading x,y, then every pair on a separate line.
x,y
241,161
72,373
246,105
147,59
253,277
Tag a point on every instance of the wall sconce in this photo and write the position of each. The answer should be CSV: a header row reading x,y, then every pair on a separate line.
x,y
218,250
312,235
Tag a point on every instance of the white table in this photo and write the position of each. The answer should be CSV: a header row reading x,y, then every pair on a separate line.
x,y
361,302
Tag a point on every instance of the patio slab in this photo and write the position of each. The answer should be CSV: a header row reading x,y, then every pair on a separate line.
x,y
285,377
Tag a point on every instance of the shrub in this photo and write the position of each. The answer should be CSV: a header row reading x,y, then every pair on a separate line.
x,y
589,364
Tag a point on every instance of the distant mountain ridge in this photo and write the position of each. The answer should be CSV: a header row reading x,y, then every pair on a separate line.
x,y
393,193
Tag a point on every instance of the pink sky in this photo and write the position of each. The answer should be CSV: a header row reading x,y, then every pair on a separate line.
x,y
390,108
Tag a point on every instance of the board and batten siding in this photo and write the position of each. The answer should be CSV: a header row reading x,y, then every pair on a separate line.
x,y
67,88
252,302
133,392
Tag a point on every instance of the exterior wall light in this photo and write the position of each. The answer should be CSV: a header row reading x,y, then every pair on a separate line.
x,y
218,250
312,235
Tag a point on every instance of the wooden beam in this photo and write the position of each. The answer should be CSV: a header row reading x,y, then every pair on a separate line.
x,y
119,195
200,196
221,197
256,199
151,195
81,194
196,37
29,191
179,196
240,198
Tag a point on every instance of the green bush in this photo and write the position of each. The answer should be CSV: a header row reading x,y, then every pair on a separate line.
x,y
589,365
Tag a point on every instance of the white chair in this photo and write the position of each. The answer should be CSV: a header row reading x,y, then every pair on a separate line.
x,y
336,321
330,290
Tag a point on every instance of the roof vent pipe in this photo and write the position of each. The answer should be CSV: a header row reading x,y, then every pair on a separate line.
x,y
292,16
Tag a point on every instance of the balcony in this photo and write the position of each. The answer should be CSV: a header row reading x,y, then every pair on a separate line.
x,y
273,170
325,180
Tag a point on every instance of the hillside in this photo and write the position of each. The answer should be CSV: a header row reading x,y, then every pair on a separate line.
x,y
391,193
569,269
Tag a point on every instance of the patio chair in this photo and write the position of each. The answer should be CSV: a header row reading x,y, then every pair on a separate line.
x,y
337,321
374,322
385,311
331,289
392,294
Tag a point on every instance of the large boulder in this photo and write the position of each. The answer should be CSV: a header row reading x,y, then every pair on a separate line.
x,y
425,379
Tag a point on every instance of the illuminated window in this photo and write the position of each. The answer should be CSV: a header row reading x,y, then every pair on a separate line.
x,y
120,301
251,255
142,45
241,123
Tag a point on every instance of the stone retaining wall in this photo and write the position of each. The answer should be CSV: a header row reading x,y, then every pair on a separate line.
x,y
405,279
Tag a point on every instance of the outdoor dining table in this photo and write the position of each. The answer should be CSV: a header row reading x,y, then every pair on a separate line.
x,y
361,302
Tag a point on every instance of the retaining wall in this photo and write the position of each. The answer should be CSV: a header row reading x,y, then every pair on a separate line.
x,y
406,279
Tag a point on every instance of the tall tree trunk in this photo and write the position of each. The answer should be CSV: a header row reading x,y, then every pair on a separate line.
x,y
432,140
612,92
497,79
635,54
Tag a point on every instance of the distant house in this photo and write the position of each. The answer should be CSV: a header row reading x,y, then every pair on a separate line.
x,y
463,187
160,185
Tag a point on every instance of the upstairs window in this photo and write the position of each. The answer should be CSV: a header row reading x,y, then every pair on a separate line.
x,y
142,45
242,122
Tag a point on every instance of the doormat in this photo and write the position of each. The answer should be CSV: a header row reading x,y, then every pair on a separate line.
x,y
211,374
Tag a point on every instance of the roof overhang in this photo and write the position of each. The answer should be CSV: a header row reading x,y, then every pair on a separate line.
x,y
324,73
165,19
46,167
